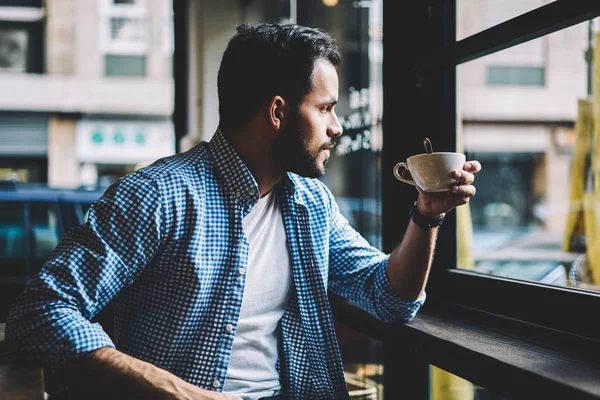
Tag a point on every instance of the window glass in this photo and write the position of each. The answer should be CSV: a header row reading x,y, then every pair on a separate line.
x,y
21,44
124,65
125,37
515,75
537,208
127,29
12,240
354,169
474,16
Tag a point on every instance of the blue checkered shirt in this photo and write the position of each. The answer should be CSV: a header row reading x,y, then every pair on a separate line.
x,y
166,245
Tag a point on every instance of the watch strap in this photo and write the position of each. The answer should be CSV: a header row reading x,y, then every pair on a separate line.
x,y
424,222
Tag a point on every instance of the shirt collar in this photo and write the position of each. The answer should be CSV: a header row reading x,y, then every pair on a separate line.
x,y
290,180
231,170
235,174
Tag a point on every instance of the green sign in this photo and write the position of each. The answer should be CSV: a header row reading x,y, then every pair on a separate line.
x,y
97,137
119,137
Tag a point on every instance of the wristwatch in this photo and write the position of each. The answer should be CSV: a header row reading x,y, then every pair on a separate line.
x,y
424,222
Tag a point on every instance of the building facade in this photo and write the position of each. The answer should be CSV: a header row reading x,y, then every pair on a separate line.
x,y
87,88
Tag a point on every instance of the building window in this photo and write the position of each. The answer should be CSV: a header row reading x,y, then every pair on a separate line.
x,y
13,50
21,37
515,76
522,65
21,3
125,37
124,65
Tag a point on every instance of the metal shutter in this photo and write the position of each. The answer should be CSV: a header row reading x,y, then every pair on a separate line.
x,y
23,133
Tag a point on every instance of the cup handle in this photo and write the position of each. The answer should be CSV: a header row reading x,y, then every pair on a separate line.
x,y
399,176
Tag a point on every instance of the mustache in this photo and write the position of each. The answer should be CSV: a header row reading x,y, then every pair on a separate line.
x,y
329,145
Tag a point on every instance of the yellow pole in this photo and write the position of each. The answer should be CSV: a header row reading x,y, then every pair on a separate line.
x,y
583,126
463,217
446,386
592,197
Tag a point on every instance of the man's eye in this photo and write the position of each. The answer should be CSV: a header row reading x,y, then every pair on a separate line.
x,y
326,109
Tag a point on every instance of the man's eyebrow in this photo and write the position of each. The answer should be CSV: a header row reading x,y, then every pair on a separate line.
x,y
331,101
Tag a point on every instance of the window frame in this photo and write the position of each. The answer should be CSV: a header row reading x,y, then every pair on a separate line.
x,y
432,73
555,307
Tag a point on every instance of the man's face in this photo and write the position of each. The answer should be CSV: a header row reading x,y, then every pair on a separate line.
x,y
304,146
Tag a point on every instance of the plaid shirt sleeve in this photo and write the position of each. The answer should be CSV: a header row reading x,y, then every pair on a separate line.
x,y
91,264
357,272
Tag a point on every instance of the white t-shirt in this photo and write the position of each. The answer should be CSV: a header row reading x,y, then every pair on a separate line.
x,y
251,373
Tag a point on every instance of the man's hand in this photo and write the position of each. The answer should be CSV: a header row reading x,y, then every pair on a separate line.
x,y
432,205
108,373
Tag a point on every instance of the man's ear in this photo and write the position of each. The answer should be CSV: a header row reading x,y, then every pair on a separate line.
x,y
278,111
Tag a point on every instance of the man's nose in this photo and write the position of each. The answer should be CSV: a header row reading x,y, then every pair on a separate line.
x,y
335,130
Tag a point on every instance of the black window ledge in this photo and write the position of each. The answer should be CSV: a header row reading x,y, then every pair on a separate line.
x,y
511,358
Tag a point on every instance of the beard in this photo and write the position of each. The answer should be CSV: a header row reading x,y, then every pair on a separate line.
x,y
292,151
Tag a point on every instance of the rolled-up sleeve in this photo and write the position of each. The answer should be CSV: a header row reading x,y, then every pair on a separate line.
x,y
91,264
358,272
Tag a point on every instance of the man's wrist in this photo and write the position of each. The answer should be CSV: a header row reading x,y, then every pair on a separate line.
x,y
423,221
426,214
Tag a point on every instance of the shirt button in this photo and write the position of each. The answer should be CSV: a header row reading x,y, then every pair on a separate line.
x,y
216,383
251,192
228,327
238,194
242,271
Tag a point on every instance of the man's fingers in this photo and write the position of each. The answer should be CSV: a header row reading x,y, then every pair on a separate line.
x,y
463,190
472,166
463,177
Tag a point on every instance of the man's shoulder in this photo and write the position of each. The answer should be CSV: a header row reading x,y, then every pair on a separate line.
x,y
180,170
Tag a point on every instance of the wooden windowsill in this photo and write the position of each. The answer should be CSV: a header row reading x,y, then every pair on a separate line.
x,y
504,356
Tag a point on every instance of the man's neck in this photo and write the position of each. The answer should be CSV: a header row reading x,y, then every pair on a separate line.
x,y
256,154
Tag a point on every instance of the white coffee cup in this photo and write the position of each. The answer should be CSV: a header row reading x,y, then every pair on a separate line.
x,y
431,172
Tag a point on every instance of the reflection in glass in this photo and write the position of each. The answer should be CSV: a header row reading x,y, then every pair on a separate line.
x,y
526,115
354,169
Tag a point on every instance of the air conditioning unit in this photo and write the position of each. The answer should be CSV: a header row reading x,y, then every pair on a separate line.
x,y
13,50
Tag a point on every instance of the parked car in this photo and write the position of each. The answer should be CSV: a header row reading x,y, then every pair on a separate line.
x,y
33,218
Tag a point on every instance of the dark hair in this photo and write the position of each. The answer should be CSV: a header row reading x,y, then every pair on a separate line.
x,y
265,60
